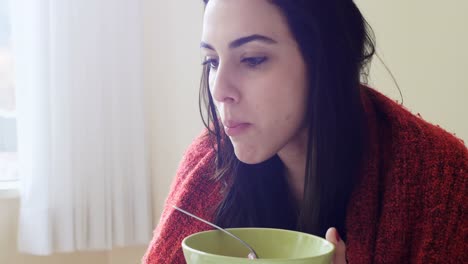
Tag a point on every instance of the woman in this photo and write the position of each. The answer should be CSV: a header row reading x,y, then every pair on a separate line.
x,y
295,141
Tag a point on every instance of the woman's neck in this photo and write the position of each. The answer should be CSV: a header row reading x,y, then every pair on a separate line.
x,y
293,156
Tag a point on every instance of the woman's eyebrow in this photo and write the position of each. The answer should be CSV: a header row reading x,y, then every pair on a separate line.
x,y
244,40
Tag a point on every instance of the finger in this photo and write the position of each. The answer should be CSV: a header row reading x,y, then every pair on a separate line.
x,y
333,236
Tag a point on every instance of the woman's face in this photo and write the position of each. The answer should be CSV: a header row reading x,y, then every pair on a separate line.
x,y
257,77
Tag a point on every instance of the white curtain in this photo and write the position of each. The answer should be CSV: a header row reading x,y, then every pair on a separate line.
x,y
83,160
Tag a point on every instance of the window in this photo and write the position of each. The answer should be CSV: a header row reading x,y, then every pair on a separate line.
x,y
8,145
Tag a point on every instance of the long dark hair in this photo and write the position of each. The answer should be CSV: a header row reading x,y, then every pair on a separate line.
x,y
337,45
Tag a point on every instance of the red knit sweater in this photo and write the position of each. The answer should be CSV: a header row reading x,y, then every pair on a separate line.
x,y
408,206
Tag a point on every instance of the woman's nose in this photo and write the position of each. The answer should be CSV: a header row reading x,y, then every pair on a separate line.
x,y
224,87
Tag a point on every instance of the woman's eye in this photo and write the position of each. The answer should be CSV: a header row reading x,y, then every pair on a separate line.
x,y
212,63
254,61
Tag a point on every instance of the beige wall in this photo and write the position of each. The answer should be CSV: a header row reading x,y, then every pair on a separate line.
x,y
423,42
172,74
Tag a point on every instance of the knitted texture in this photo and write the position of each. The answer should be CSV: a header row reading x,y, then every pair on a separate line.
x,y
408,205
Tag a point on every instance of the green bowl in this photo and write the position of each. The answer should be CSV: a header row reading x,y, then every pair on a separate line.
x,y
271,245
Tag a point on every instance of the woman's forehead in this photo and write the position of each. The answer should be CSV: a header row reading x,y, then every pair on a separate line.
x,y
227,20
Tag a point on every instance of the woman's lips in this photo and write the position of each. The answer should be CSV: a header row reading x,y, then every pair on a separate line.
x,y
233,129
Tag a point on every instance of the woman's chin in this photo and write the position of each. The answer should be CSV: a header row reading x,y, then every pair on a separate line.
x,y
249,157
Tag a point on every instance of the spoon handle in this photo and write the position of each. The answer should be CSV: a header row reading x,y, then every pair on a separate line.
x,y
252,251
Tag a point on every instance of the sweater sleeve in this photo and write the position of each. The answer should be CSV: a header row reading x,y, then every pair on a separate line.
x,y
190,187
441,232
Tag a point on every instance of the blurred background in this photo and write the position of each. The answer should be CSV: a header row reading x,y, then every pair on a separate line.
x,y
154,52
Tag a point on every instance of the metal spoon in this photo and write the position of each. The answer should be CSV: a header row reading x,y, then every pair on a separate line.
x,y
252,254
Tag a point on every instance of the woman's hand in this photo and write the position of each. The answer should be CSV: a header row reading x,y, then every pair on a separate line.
x,y
333,236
